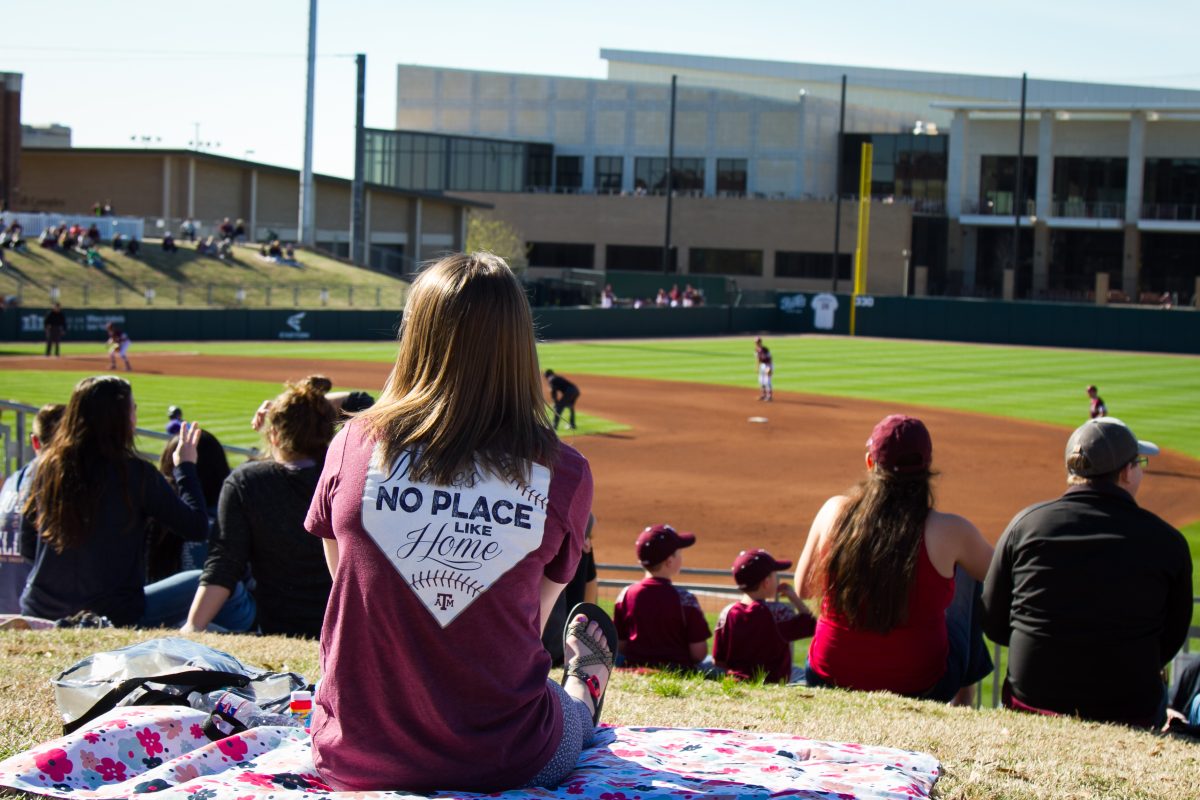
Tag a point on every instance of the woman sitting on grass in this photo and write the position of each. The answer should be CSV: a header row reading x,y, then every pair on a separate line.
x,y
899,580
85,520
452,517
260,524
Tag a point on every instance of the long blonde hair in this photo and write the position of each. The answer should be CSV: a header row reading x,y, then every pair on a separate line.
x,y
466,384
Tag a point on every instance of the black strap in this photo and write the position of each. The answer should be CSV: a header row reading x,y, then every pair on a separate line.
x,y
220,725
199,680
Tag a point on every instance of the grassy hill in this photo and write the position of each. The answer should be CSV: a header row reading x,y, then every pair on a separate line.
x,y
984,754
185,279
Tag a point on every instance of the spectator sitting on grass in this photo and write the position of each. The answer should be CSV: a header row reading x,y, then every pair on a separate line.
x,y
754,635
49,238
92,257
659,625
239,231
11,237
225,229
118,242
1091,572
134,246
224,250
261,523
205,247
898,579
275,249
167,553
168,243
85,519
92,236
175,423
13,569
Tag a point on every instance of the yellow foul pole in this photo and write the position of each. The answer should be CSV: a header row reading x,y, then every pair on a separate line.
x,y
864,232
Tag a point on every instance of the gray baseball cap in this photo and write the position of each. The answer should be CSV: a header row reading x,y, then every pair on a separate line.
x,y
1106,444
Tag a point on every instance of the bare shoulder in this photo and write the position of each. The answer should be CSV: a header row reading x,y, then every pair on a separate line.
x,y
941,523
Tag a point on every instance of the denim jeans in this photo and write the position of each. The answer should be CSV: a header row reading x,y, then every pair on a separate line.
x,y
168,601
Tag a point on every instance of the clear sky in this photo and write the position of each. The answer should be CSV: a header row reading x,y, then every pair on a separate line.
x,y
134,68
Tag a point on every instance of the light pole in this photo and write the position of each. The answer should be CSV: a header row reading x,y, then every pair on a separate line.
x,y
905,255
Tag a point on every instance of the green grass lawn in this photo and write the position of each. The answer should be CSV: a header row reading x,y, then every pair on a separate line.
x,y
186,279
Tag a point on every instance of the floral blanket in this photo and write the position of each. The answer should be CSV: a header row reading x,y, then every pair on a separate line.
x,y
163,750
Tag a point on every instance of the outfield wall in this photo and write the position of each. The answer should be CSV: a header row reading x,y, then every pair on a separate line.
x,y
962,320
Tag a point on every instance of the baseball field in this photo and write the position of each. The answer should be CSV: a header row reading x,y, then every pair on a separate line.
x,y
674,430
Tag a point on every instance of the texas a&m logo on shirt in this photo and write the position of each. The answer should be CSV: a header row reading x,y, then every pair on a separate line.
x,y
450,543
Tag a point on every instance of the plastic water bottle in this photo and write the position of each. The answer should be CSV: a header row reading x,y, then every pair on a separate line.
x,y
301,707
227,705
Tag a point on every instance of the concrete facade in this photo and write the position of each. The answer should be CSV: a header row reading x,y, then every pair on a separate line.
x,y
784,142
1132,132
10,137
766,226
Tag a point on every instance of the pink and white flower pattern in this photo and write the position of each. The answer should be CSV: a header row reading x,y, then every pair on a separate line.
x,y
624,763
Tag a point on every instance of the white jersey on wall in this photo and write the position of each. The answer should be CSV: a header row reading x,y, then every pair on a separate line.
x,y
824,306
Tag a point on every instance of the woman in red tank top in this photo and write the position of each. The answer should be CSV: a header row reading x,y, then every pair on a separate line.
x,y
899,581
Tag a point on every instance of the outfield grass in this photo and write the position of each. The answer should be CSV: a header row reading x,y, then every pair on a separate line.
x,y
1155,394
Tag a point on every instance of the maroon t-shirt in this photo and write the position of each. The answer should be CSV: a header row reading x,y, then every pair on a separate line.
x,y
657,622
433,670
758,636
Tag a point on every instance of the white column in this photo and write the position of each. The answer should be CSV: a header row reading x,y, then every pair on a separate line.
x,y
1044,191
1136,167
956,165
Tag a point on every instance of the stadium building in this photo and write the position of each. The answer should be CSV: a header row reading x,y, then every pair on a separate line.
x,y
1110,190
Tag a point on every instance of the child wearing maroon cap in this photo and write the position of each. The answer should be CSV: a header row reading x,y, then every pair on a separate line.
x,y
659,624
754,635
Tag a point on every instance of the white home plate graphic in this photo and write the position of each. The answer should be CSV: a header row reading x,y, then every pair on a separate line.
x,y
759,420
451,543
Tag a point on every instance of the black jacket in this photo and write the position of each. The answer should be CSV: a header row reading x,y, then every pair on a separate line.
x,y
260,522
1093,596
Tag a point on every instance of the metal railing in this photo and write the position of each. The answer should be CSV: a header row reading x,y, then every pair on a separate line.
x,y
714,597
1181,212
15,451
1079,209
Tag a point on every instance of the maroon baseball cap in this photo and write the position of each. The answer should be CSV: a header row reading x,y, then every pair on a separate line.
x,y
658,542
751,566
901,444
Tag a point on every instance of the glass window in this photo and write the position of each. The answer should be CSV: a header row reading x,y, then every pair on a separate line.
x,y
537,166
731,176
560,254
1089,187
637,258
1172,180
610,174
568,173
721,261
998,184
650,174
812,265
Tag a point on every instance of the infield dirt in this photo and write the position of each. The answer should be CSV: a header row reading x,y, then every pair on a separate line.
x,y
692,458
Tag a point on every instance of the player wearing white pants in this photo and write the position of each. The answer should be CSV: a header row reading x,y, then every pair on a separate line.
x,y
765,370
118,345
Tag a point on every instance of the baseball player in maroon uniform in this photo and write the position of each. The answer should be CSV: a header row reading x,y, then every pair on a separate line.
x,y
755,634
765,370
1097,409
